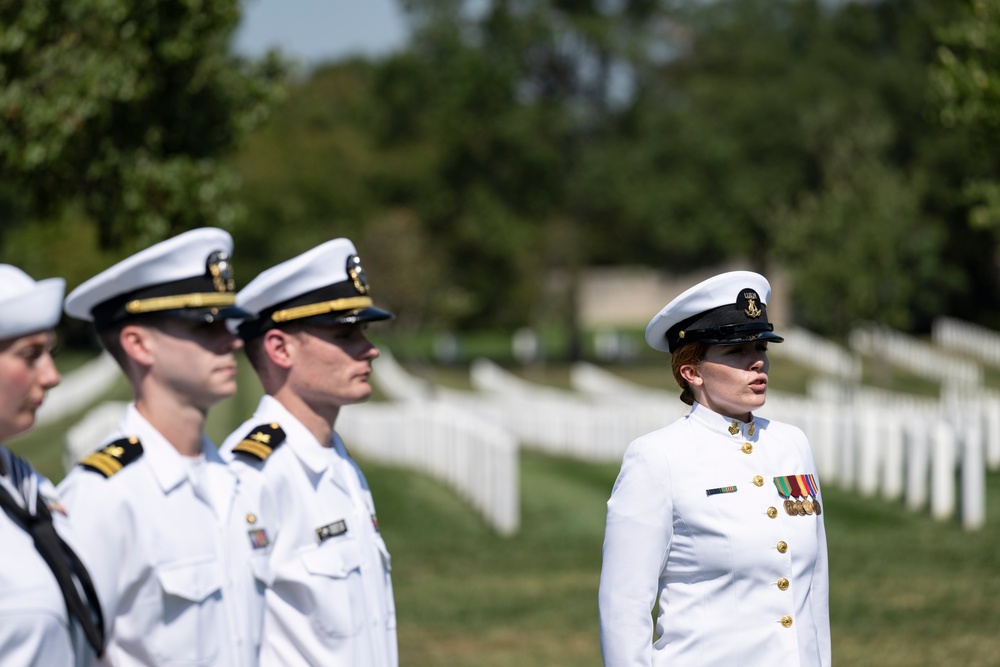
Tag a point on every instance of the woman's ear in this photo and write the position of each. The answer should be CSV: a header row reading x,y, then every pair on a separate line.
x,y
691,375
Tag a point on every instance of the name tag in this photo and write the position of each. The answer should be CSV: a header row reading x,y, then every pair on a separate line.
x,y
331,530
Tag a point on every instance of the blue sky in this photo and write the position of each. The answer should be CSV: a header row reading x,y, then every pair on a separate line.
x,y
313,31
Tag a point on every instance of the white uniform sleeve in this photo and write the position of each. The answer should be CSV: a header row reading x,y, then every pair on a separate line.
x,y
636,541
819,596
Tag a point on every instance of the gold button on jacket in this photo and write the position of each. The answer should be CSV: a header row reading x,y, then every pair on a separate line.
x,y
783,584
786,621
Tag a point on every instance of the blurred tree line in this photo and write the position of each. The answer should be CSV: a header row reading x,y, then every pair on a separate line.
x,y
514,143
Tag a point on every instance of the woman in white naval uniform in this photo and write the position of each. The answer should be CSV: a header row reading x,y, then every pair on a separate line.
x,y
36,625
715,522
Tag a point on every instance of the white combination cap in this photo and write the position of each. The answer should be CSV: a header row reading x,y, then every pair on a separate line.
x,y
326,285
188,276
726,309
28,306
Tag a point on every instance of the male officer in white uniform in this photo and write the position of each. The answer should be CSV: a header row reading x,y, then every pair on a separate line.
x,y
177,542
46,595
331,601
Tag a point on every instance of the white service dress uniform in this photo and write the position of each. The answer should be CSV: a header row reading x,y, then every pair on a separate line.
x,y
177,548
35,630
697,525
331,600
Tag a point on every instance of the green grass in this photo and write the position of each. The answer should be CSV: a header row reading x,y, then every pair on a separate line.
x,y
466,596
905,589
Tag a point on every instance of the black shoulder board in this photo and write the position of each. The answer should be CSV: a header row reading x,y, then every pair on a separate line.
x,y
261,441
111,458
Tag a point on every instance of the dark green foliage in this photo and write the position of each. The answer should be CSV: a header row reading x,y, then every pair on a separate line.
x,y
512,144
124,107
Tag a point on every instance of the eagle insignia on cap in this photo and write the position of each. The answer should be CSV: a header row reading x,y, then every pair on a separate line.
x,y
221,270
357,274
752,311
261,441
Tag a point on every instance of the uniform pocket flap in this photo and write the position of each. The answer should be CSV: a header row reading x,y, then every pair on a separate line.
x,y
332,558
189,580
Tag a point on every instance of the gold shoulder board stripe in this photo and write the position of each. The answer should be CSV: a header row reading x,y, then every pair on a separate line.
x,y
112,458
261,442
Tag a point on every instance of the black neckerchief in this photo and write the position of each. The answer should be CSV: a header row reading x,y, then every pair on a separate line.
x,y
64,563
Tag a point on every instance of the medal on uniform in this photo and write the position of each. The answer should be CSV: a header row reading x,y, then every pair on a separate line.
x,y
803,492
785,491
813,489
807,503
793,482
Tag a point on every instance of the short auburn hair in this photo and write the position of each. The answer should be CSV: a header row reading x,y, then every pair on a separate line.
x,y
691,354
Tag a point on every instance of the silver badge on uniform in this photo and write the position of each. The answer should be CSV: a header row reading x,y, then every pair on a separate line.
x,y
331,530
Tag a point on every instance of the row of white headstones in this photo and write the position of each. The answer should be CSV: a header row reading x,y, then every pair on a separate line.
x,y
898,446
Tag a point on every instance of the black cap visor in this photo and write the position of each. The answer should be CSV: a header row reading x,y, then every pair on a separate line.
x,y
255,326
370,314
731,335
206,315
